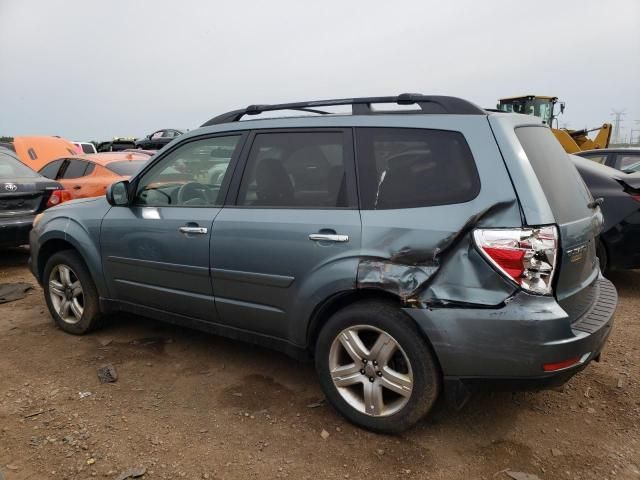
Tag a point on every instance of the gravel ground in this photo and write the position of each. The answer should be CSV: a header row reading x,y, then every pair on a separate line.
x,y
190,405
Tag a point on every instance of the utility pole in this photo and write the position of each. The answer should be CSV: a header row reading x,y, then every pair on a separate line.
x,y
617,115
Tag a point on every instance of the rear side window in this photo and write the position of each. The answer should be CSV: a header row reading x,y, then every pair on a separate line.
x,y
88,148
562,185
296,170
51,169
409,168
75,169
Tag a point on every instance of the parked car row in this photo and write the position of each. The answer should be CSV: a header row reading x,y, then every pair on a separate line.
x,y
409,254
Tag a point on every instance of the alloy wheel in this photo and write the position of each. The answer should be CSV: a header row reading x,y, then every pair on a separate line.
x,y
370,370
66,294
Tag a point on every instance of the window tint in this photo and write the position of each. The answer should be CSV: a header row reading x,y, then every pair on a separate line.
x,y
628,163
75,169
190,175
12,168
51,169
126,168
408,168
562,185
305,169
88,148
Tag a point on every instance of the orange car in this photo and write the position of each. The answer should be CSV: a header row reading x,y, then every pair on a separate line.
x,y
89,175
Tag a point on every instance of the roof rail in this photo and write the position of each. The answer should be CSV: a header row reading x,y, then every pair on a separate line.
x,y
360,106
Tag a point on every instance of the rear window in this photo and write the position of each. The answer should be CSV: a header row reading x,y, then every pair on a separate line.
x,y
11,168
562,185
126,168
408,168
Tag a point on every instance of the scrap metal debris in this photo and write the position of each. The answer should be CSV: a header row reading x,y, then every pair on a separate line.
x,y
10,292
107,374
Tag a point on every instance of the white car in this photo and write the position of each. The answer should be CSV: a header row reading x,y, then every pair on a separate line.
x,y
85,147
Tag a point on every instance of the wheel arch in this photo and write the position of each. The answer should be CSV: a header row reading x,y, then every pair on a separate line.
x,y
87,252
331,305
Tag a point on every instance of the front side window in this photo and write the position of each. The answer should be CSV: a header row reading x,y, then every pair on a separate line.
x,y
409,168
628,163
296,170
190,175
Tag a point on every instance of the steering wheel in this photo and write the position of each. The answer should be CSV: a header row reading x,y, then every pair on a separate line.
x,y
192,191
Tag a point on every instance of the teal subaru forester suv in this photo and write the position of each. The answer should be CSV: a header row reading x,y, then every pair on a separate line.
x,y
412,247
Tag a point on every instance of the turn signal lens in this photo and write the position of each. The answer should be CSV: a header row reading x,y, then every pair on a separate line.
x,y
525,255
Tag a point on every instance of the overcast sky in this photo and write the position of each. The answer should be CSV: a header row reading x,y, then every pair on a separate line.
x,y
96,69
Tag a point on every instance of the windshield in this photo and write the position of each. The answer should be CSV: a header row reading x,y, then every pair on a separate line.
x,y
11,168
542,108
126,168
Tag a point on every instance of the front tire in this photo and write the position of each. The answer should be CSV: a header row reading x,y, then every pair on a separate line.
x,y
70,293
375,368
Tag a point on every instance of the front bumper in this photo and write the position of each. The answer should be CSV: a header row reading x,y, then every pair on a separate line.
x,y
508,346
15,231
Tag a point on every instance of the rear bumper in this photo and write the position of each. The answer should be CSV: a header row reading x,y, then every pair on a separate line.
x,y
15,231
507,347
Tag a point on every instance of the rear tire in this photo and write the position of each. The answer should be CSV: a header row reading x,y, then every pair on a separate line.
x,y
375,367
71,294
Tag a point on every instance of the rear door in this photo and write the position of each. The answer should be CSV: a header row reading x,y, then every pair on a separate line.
x,y
569,199
290,232
72,174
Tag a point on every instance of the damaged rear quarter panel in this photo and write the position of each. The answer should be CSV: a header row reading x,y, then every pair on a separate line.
x,y
426,255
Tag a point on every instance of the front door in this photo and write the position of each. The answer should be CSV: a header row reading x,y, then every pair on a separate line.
x,y
291,232
155,252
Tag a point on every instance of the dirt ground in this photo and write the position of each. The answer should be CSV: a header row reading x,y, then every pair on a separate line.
x,y
190,405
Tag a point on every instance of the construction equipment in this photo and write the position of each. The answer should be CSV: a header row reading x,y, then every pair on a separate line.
x,y
545,108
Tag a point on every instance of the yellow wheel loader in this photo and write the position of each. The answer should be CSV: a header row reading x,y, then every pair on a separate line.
x,y
545,108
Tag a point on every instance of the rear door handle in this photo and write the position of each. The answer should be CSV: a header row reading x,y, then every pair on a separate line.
x,y
77,187
194,230
328,237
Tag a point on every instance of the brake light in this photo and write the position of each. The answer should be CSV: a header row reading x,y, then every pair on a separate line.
x,y
636,197
57,197
525,255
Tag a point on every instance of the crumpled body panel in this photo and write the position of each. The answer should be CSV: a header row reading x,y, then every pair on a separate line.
x,y
429,268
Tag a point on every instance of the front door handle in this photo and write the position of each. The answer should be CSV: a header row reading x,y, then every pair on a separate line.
x,y
328,237
77,187
194,230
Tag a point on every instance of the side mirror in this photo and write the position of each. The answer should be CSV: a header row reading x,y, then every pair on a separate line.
x,y
118,194
561,107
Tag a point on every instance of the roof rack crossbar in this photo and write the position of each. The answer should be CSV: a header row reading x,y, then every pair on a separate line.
x,y
429,104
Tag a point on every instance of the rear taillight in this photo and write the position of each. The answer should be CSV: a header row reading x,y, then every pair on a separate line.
x,y
57,197
636,197
525,255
